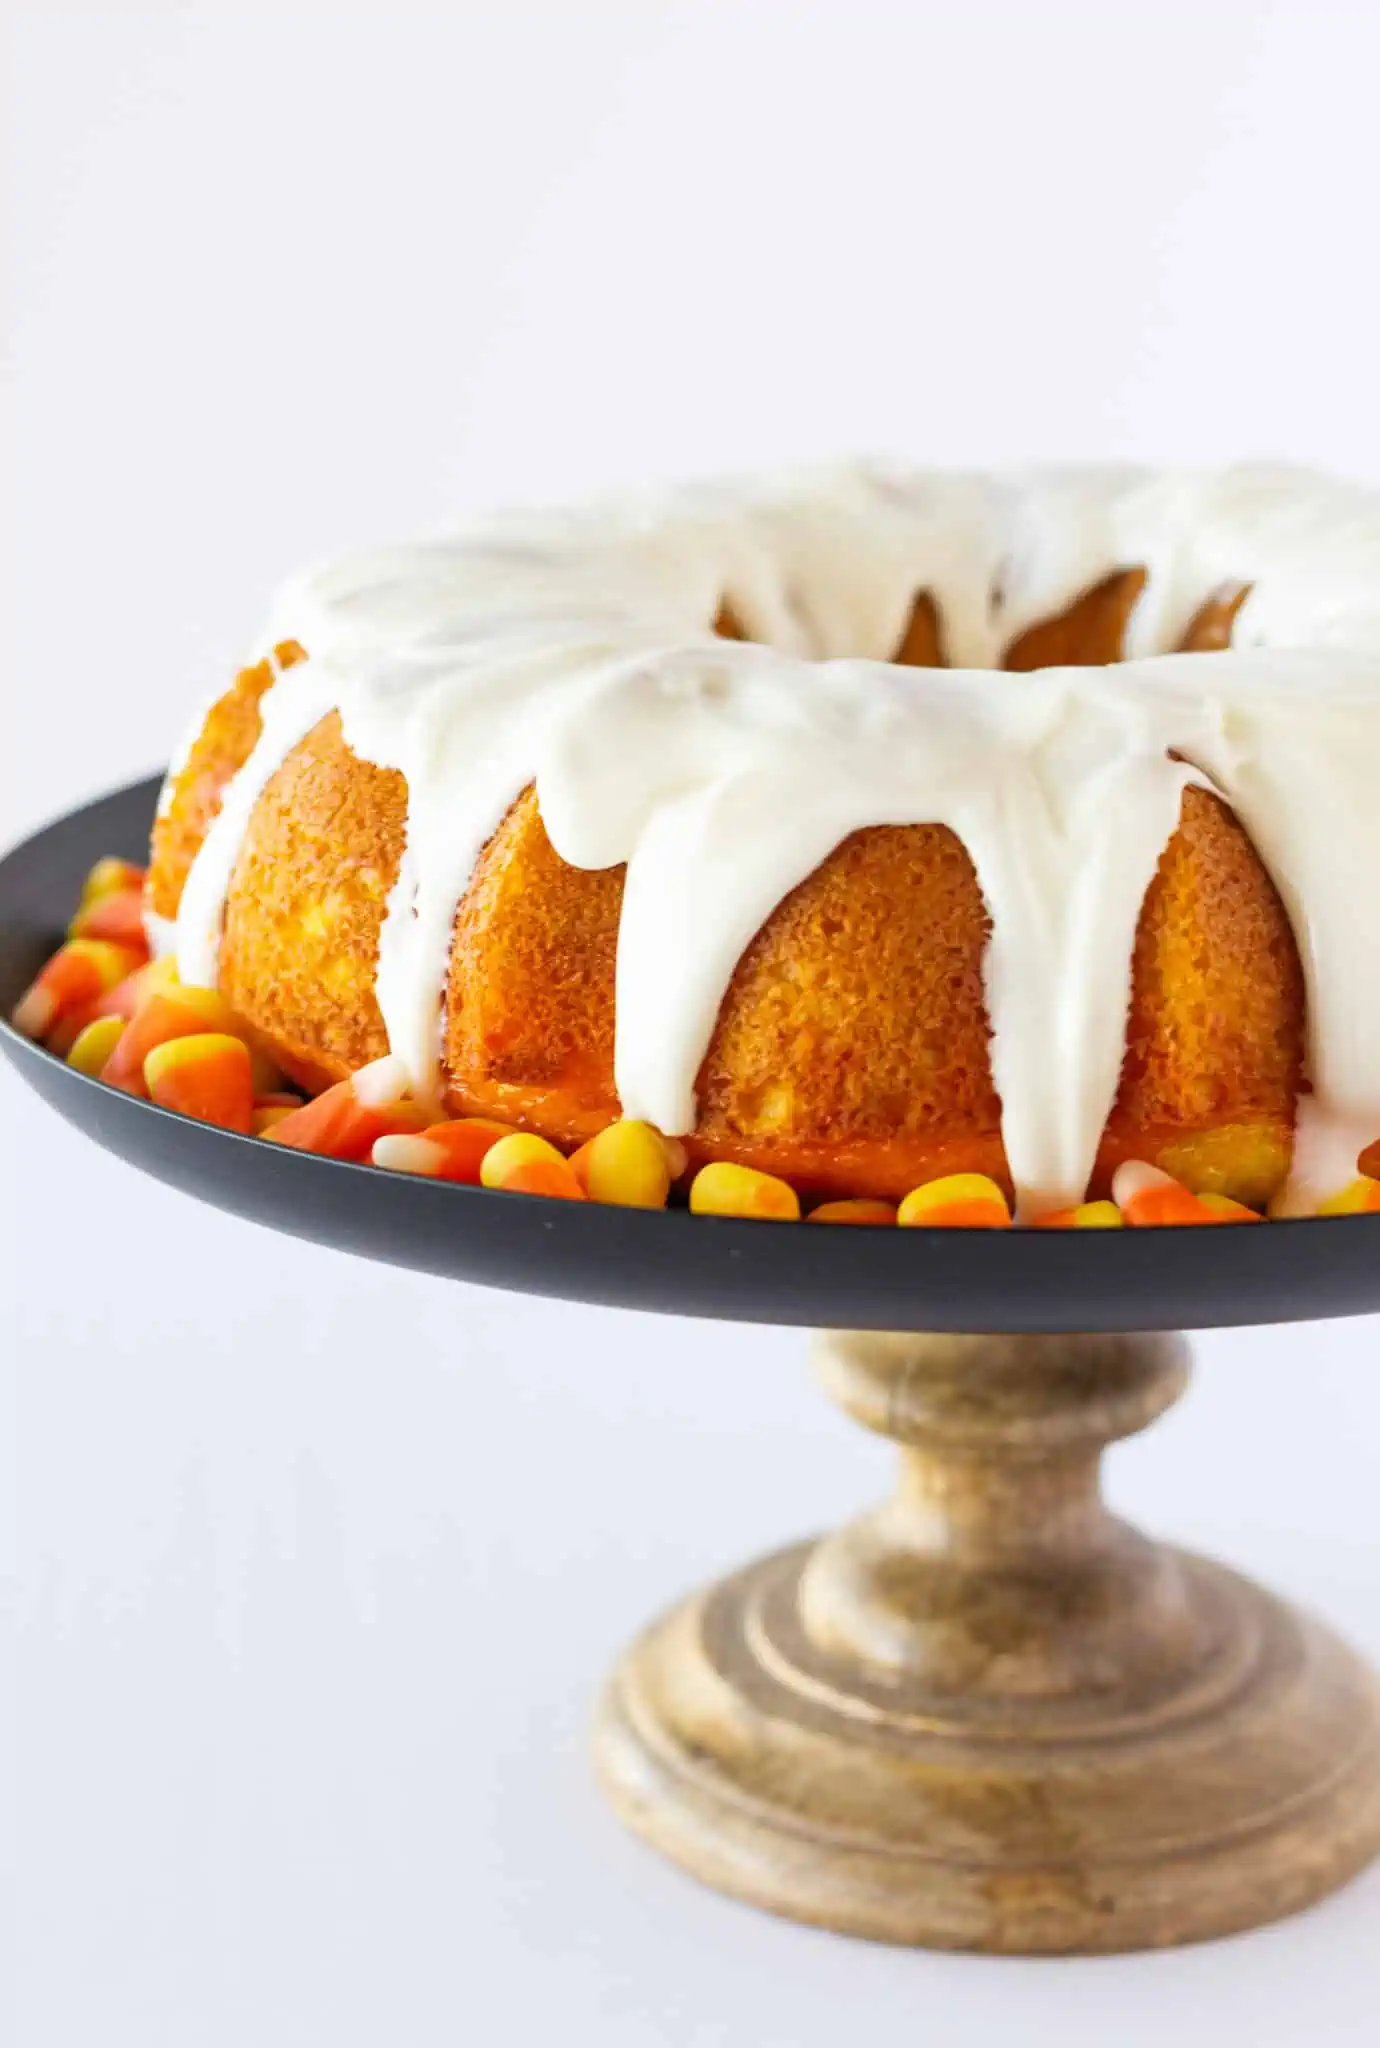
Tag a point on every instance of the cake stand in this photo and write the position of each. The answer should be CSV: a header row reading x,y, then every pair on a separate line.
x,y
988,1715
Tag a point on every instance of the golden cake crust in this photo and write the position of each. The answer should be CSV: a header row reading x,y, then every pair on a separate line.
x,y
228,735
305,907
851,1051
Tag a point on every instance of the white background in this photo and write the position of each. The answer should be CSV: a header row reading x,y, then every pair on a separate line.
x,y
321,1563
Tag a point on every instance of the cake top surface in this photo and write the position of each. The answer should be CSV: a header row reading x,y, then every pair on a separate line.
x,y
576,650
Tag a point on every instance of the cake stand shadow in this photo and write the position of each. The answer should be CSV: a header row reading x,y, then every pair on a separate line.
x,y
988,1715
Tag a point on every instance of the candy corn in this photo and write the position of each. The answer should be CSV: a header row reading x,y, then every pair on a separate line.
x,y
111,877
960,1200
1087,1216
855,1210
63,1034
1224,1210
448,1151
522,1164
93,1045
519,1148
723,1189
627,1165
268,1079
1145,1196
117,915
409,1152
206,1076
267,1114
551,1177
78,974
1360,1198
154,978
349,1119
382,1082
182,1013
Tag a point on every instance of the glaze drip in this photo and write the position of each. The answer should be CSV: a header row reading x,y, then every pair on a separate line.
x,y
577,651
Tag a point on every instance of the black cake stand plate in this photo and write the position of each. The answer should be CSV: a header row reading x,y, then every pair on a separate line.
x,y
682,1265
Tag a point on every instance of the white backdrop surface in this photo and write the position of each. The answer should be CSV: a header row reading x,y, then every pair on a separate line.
x,y
319,1565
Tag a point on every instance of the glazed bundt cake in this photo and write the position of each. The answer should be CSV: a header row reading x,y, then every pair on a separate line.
x,y
729,811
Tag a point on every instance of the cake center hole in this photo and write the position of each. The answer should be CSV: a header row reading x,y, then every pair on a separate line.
x,y
1088,633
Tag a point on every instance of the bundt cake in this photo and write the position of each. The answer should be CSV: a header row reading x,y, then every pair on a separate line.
x,y
727,810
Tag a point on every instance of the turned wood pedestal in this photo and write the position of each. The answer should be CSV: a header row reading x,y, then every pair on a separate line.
x,y
989,1715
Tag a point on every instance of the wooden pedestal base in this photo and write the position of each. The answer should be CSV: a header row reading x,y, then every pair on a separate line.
x,y
990,1716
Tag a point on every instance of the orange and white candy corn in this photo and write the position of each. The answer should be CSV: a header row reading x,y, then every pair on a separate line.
x,y
206,1076
347,1121
448,1151
1147,1197
725,1189
962,1201
382,1082
159,1019
149,978
467,1142
409,1152
78,974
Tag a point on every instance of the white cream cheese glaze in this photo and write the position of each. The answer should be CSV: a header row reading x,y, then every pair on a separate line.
x,y
575,649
